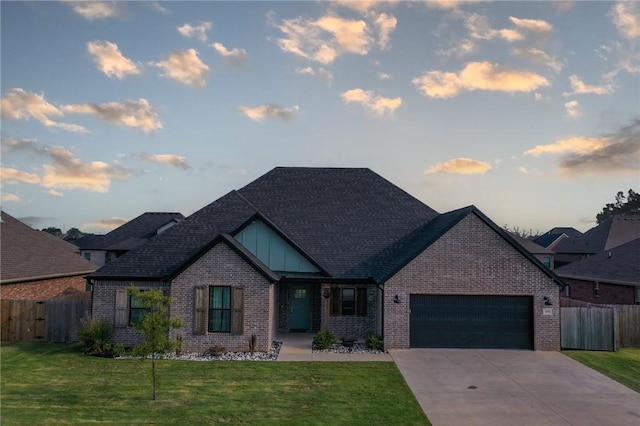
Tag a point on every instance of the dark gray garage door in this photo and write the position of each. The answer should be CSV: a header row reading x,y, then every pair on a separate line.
x,y
487,322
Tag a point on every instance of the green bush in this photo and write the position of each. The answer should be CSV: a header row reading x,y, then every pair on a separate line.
x,y
373,341
95,335
323,340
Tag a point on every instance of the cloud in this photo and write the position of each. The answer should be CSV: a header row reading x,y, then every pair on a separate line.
x,y
137,114
8,197
535,25
260,112
458,48
385,25
110,61
572,108
384,76
173,160
364,5
55,193
370,101
64,170
93,10
235,56
324,39
10,175
464,166
526,171
185,67
477,76
626,17
619,155
159,8
321,73
480,28
538,56
449,4
539,97
579,145
197,31
580,88
21,105
110,223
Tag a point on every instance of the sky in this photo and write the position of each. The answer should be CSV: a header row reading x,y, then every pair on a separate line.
x,y
528,110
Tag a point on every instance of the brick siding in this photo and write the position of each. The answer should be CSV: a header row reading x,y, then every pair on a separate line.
x,y
613,294
44,289
222,266
471,258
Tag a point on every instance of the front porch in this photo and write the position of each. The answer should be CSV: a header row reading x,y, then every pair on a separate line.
x,y
345,309
297,347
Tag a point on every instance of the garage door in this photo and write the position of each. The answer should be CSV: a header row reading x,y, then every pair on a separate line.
x,y
487,322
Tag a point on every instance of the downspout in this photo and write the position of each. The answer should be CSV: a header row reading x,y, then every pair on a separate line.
x,y
381,288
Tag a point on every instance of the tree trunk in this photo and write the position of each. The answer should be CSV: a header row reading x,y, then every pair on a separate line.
x,y
153,373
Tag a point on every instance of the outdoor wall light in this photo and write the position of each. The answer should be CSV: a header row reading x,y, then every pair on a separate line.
x,y
396,299
547,301
326,294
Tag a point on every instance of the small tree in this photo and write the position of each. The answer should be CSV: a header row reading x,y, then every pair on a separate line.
x,y
155,324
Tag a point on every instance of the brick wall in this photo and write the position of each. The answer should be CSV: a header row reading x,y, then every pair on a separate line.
x,y
609,293
44,289
104,306
471,258
222,266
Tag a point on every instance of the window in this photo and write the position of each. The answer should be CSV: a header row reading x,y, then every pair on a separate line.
x,y
136,310
637,295
349,302
109,256
596,289
547,261
87,255
220,309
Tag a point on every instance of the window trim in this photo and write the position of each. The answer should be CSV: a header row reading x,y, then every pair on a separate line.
x,y
141,310
225,322
360,301
596,289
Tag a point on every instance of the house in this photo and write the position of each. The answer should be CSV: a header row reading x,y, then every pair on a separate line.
x,y
616,230
36,265
543,254
101,249
551,238
610,277
338,249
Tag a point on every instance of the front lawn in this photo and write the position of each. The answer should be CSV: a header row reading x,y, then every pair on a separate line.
x,y
622,366
49,384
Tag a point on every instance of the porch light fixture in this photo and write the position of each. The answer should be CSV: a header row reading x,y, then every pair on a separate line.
x,y
396,299
547,301
327,293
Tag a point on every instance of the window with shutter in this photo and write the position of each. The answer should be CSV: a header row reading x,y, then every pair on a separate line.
x,y
220,309
122,308
200,311
361,302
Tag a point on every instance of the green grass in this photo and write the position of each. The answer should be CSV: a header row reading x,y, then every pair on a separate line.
x,y
56,384
622,366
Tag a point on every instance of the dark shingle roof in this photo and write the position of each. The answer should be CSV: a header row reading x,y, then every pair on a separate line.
x,y
547,239
531,246
620,264
612,232
27,254
568,231
134,232
337,217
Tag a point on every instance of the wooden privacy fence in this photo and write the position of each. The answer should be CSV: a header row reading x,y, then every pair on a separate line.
x,y
627,321
589,328
51,321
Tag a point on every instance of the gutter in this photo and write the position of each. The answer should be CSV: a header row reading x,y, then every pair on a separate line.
x,y
45,277
602,280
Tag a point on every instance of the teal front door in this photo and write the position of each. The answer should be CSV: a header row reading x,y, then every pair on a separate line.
x,y
300,302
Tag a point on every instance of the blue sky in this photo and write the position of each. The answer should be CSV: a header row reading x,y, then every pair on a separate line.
x,y
529,110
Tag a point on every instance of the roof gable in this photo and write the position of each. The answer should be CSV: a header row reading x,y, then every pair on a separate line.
x,y
613,232
28,254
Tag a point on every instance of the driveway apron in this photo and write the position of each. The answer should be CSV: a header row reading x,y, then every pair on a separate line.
x,y
507,387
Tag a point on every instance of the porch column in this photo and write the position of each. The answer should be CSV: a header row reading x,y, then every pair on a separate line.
x,y
326,306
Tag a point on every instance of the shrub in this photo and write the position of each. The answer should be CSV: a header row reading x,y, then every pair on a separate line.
x,y
252,343
323,340
94,335
373,341
217,350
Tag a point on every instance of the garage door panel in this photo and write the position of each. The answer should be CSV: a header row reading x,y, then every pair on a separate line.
x,y
445,321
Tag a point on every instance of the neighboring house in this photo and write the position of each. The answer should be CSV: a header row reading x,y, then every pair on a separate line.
x,y
551,238
611,233
102,249
543,254
611,277
344,250
36,265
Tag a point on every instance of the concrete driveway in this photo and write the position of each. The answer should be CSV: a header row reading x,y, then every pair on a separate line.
x,y
506,387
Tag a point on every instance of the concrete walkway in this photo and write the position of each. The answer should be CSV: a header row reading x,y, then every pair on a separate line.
x,y
297,347
503,387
